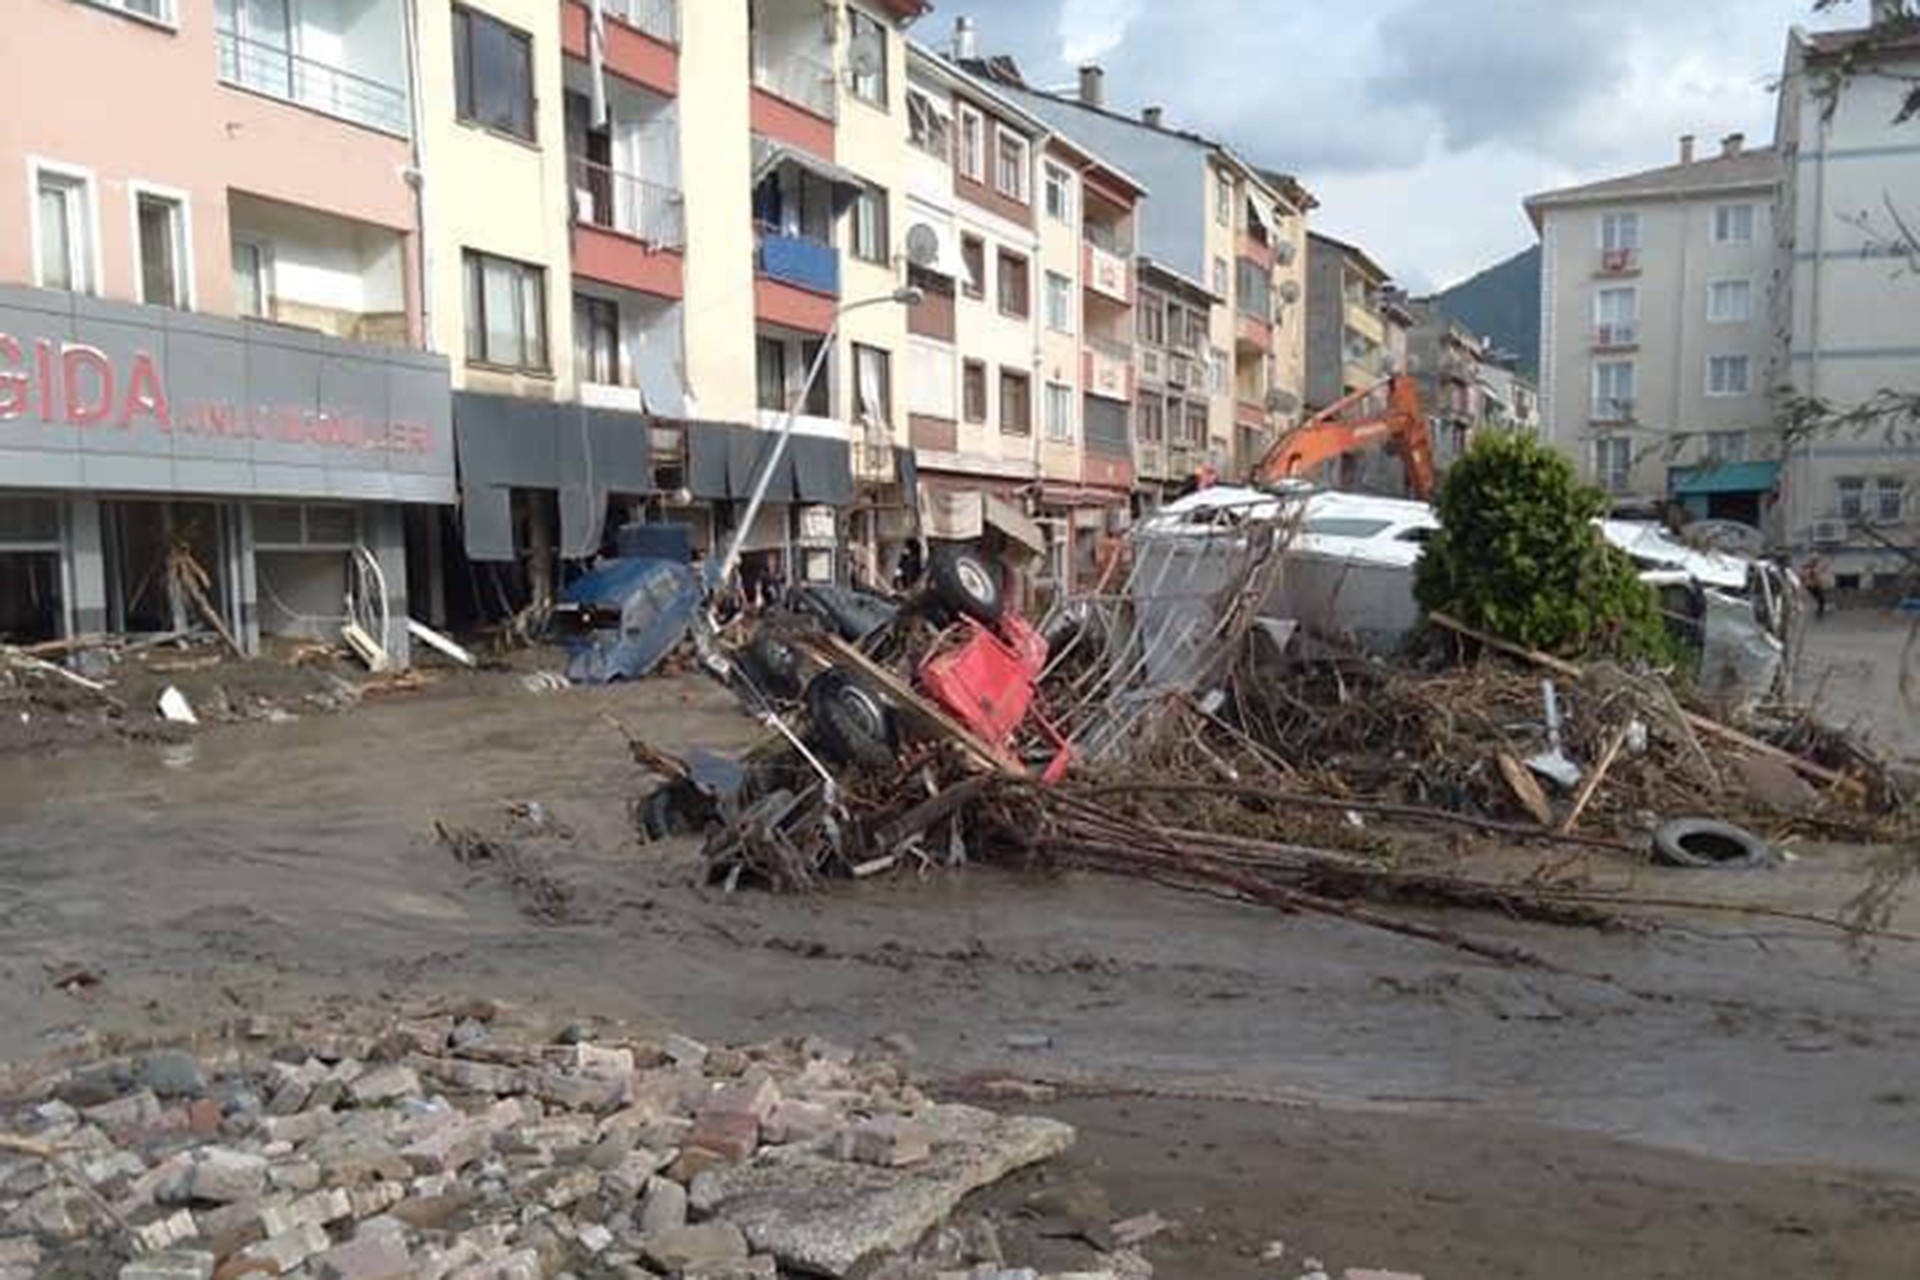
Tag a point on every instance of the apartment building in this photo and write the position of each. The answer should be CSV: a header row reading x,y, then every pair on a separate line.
x,y
1220,234
1846,317
1654,350
1449,363
211,320
1357,324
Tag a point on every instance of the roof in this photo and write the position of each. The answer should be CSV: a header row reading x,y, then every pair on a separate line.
x,y
1292,188
1352,251
1759,167
1149,266
1903,37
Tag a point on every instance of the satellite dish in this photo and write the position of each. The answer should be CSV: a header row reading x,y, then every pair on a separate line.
x,y
1290,291
923,245
867,55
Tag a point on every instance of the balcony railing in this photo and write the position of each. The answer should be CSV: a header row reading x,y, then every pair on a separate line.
x,y
798,260
794,77
657,18
1619,334
281,73
1108,366
1619,261
1107,273
650,212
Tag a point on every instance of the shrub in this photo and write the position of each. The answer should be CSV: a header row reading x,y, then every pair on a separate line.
x,y
1518,555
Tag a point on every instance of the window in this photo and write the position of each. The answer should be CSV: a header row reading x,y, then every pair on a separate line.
x,y
1016,403
1059,194
1727,375
157,10
506,313
1010,169
1613,390
1059,303
161,222
973,144
1151,419
1196,420
1614,310
1613,463
1619,232
1253,290
253,278
973,258
65,211
1220,276
596,340
818,403
869,35
770,373
1152,321
873,380
1014,285
1059,413
1733,224
973,391
1852,493
927,125
492,73
1219,371
1726,447
1889,498
870,242
1223,199
1730,301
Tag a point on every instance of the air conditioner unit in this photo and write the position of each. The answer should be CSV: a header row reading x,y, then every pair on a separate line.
x,y
1829,533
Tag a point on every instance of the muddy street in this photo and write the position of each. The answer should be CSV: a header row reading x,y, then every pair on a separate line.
x,y
1293,1076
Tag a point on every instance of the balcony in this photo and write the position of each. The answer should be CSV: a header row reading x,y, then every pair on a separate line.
x,y
657,18
626,231
306,268
797,79
1619,262
1253,332
1108,369
642,44
277,72
1256,250
1616,336
1108,274
798,260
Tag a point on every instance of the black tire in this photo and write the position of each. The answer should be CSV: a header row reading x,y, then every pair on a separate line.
x,y
967,583
852,725
773,664
1703,842
663,813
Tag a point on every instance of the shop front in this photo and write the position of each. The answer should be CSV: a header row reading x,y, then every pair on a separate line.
x,y
163,470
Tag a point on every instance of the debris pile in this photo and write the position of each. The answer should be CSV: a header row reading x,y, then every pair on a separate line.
x,y
447,1147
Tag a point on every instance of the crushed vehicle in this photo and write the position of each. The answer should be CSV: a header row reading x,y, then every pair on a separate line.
x,y
619,620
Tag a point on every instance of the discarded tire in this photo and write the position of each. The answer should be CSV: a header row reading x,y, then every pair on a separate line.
x,y
663,813
965,582
1703,842
851,724
773,664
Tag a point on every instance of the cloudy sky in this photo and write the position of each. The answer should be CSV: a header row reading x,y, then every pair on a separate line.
x,y
1422,124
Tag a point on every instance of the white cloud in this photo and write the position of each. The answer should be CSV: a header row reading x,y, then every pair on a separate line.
x,y
1090,29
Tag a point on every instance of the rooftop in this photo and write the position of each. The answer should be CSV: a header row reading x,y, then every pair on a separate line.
x,y
1759,167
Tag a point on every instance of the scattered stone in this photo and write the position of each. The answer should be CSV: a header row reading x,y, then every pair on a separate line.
x,y
888,1142
171,1073
376,1256
685,1052
792,1120
679,1250
731,1135
165,1232
664,1208
1361,1273
180,1264
1139,1230
223,1176
383,1084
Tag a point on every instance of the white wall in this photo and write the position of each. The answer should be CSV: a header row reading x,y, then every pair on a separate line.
x,y
324,261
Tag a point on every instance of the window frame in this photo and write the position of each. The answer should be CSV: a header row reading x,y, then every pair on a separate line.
x,y
1605,476
970,153
1022,380
138,190
75,177
883,77
922,106
1621,218
592,308
1002,258
470,259
1223,198
1057,394
1065,297
1222,286
1730,361
1151,324
263,258
1746,315
1723,212
879,253
972,409
465,98
167,20
1058,179
1156,433
855,353
1609,413
971,247
1022,170
1842,487
1719,454
1883,487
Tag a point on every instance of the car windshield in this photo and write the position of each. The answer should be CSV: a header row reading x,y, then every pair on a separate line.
x,y
1346,526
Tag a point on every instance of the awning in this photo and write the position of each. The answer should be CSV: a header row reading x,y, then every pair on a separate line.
x,y
1054,495
1261,216
1723,477
769,155
1013,522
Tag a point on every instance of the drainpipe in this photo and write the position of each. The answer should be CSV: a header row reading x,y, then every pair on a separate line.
x,y
416,176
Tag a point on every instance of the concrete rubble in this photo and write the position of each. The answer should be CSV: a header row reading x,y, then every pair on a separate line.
x,y
447,1147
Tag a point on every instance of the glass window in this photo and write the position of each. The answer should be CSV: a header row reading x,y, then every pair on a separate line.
x,y
1151,417
1059,413
163,244
1733,224
1059,194
1852,494
873,383
770,373
252,282
1889,498
870,239
492,73
869,48
1346,526
973,258
1014,285
158,10
1016,403
973,143
1223,199
1727,375
1152,322
1726,446
1619,232
1220,276
1010,175
1059,303
1613,386
1219,371
973,390
596,340
1613,463
1730,301
506,313
1196,417
927,126
66,232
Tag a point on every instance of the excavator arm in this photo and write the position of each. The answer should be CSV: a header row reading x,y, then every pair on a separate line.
x,y
1353,425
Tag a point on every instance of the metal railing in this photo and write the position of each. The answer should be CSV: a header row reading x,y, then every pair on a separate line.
x,y
1109,348
794,77
281,73
650,212
798,260
657,18
1108,238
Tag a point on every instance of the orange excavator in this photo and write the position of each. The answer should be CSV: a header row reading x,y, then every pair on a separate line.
x,y
1351,426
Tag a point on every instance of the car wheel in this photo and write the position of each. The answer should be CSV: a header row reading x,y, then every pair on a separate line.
x,y
773,664
1702,842
852,724
663,813
967,583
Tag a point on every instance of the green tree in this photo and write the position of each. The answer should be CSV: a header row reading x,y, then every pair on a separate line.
x,y
1518,555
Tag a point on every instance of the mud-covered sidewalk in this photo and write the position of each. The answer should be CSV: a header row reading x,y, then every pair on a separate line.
x,y
1723,1095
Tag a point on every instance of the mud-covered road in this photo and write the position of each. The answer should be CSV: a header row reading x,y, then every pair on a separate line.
x,y
1727,1096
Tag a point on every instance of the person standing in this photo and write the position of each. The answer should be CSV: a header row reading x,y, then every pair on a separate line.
x,y
1818,575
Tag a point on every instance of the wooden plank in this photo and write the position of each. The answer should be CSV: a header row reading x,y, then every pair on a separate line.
x,y
1591,785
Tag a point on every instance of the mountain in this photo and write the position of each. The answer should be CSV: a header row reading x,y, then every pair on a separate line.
x,y
1503,303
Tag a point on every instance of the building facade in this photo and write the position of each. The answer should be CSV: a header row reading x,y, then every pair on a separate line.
x,y
215,406
1357,326
1655,348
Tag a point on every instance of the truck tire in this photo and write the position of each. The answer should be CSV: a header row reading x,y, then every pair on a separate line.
x,y
852,724
773,664
1703,842
967,583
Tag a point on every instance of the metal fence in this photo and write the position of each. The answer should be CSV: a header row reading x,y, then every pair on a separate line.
x,y
657,18
650,212
796,78
281,73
